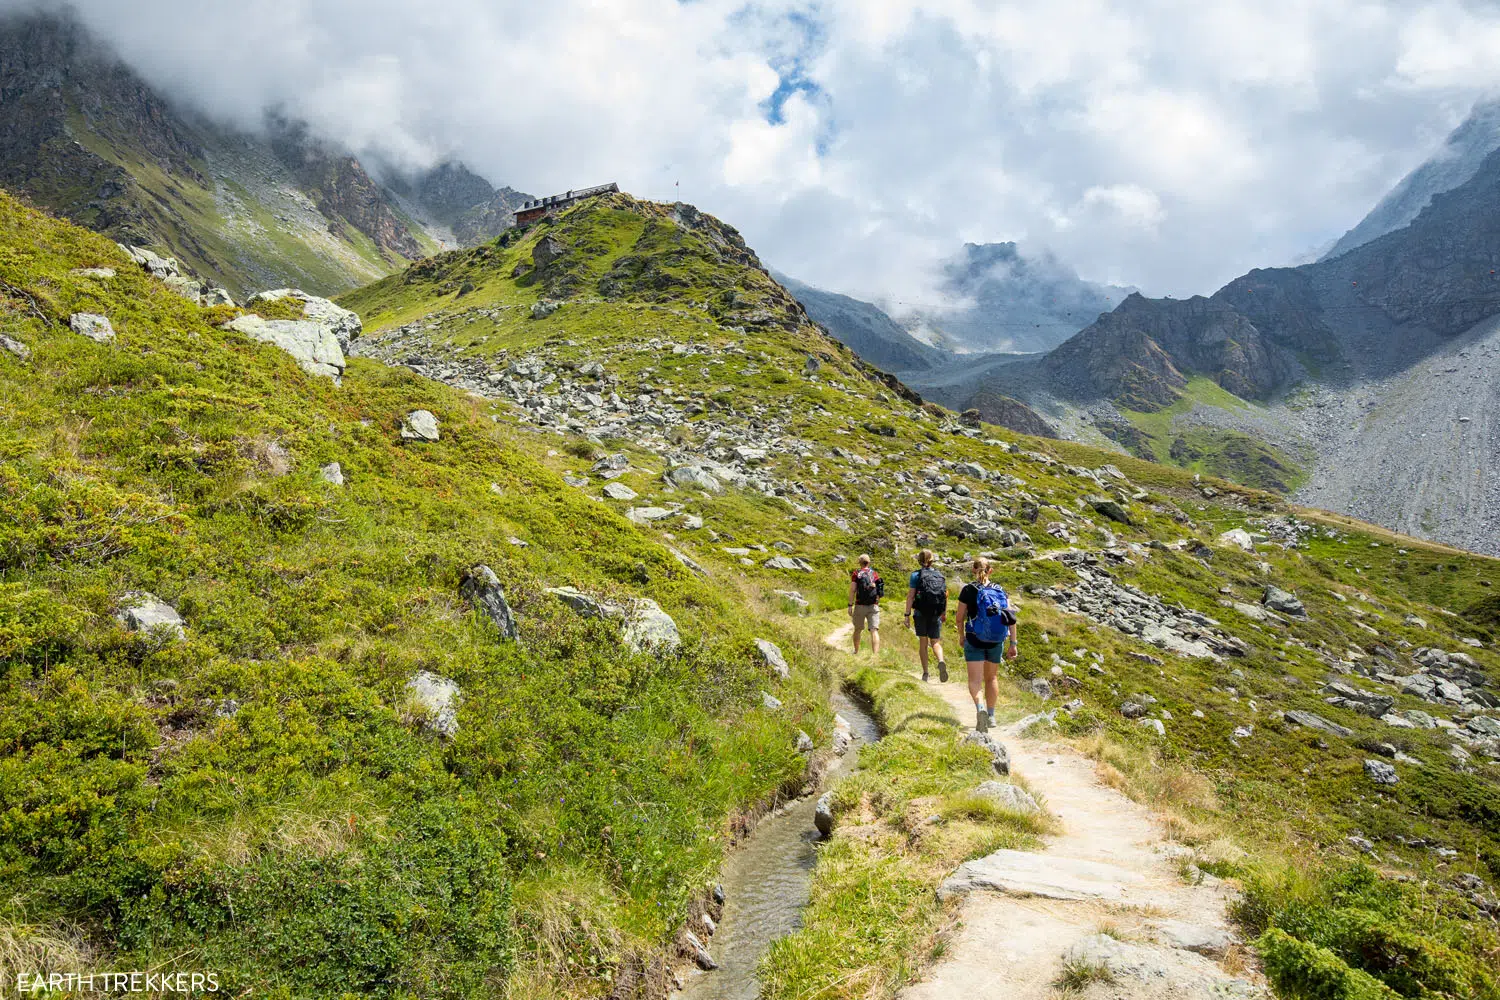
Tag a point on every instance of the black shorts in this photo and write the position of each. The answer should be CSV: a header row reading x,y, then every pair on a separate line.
x,y
927,626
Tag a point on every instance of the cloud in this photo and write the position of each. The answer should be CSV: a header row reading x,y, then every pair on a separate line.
x,y
1165,144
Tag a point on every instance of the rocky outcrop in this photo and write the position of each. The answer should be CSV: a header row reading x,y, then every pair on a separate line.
x,y
436,699
343,324
482,589
169,272
312,345
1003,411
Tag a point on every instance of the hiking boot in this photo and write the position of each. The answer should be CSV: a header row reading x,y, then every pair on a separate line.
x,y
981,720
924,675
942,672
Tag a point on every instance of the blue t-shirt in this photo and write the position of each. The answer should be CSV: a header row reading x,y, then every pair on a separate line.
x,y
911,583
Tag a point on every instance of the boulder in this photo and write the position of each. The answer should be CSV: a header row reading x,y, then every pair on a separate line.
x,y
804,743
1111,509
15,347
93,326
141,611
1040,687
1297,717
1284,601
769,701
438,698
333,473
650,629
646,515
823,815
771,653
810,366
1238,538
310,344
1010,796
420,425
789,563
1484,725
619,491
345,326
482,589
582,603
1357,700
1380,772
548,249
1133,710
697,952
999,756
694,477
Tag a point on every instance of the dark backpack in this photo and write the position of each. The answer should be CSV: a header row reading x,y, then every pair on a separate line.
x,y
992,615
932,592
868,586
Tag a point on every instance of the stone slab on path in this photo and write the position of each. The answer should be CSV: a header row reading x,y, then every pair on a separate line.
x,y
1023,873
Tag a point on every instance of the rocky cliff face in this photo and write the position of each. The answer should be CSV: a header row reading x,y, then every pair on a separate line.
x,y
865,329
454,196
1458,160
82,135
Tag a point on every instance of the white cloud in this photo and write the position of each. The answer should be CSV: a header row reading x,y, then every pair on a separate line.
x,y
1162,143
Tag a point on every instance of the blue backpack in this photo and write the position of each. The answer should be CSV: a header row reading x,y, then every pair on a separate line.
x,y
992,617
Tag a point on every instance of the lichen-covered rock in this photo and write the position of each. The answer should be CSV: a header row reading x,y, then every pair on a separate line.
x,y
141,611
771,653
1010,796
650,629
310,344
999,756
333,473
438,698
1380,772
93,326
343,324
420,425
482,589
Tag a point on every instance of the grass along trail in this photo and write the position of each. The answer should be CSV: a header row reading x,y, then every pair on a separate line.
x,y
1105,910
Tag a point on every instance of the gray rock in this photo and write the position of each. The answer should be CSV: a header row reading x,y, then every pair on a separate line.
x,y
1238,538
823,815
771,653
1048,876
697,952
619,491
544,308
617,462
1300,718
650,629
1484,725
692,565
1173,642
333,473
805,743
93,326
646,515
1211,942
691,522
694,477
999,756
1133,710
789,563
1040,687
1380,772
1156,724
1010,796
1284,601
482,589
15,347
810,366
1111,509
793,597
97,273
141,611
420,425
582,603
312,345
769,701
438,697
343,324
1358,700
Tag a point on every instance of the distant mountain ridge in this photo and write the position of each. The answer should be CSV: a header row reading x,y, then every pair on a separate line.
x,y
1380,358
84,136
1458,160
865,329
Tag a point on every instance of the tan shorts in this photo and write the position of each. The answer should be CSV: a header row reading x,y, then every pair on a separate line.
x,y
867,615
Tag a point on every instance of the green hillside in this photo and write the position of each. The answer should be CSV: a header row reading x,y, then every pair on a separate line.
x,y
634,408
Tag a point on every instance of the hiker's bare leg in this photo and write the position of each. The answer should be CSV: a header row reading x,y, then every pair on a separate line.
x,y
937,650
991,684
856,638
976,678
874,641
922,652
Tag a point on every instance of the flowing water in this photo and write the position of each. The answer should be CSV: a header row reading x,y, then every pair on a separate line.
x,y
767,881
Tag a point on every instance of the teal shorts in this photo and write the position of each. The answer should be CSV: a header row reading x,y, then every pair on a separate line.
x,y
975,654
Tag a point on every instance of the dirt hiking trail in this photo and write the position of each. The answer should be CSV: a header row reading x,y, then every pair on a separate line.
x,y
1106,900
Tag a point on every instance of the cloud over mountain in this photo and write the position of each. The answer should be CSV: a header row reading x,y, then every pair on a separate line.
x,y
1159,144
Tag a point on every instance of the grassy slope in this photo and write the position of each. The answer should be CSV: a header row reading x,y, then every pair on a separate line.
x,y
319,839
1211,451
1249,782
632,275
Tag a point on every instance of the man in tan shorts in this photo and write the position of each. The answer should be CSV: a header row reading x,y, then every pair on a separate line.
x,y
866,588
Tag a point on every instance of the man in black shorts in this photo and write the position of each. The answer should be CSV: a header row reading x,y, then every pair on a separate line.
x,y
926,610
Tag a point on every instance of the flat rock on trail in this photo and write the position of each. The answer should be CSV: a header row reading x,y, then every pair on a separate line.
x,y
1025,916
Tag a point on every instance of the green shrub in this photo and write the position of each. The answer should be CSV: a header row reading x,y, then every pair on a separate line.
x,y
1302,971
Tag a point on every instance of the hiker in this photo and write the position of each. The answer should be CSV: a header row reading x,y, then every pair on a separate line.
x,y
927,609
866,588
988,624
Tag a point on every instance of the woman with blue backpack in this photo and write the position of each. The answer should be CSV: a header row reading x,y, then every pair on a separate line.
x,y
988,625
